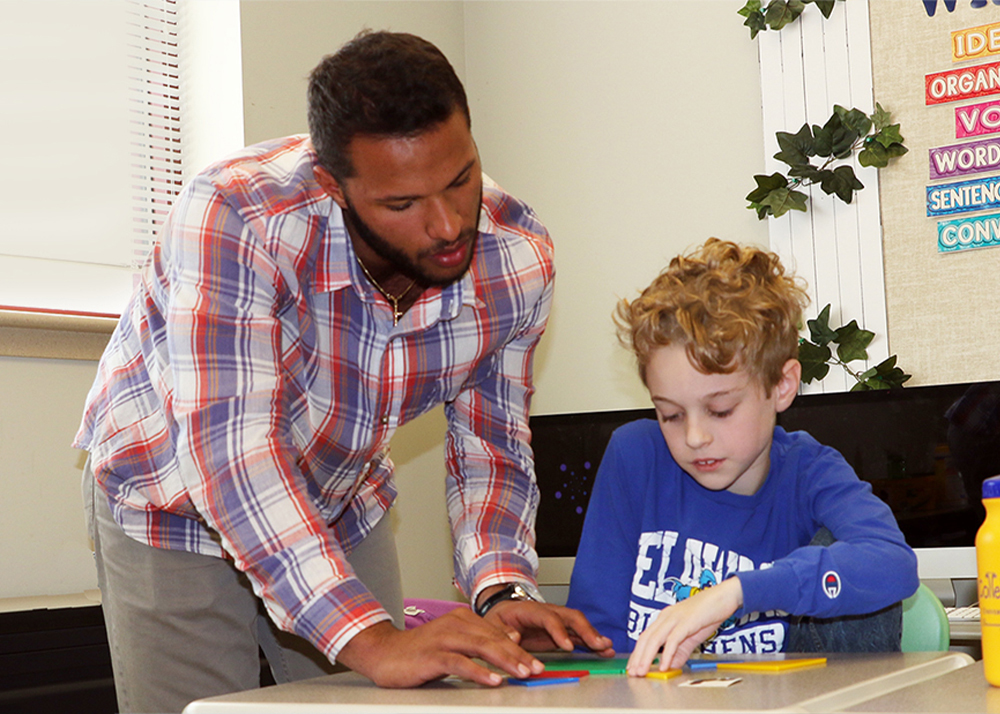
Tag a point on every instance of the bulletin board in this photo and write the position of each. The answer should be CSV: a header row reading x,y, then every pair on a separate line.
x,y
936,67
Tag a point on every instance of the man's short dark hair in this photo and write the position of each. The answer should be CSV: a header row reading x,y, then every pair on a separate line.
x,y
379,84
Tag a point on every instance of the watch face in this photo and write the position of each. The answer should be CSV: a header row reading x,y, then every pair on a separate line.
x,y
511,591
527,592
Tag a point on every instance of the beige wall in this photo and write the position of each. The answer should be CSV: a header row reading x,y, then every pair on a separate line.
x,y
634,130
284,39
44,548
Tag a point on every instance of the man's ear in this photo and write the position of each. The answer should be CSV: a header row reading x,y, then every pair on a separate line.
x,y
329,184
788,386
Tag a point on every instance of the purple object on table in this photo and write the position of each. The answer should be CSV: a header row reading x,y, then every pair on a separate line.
x,y
420,611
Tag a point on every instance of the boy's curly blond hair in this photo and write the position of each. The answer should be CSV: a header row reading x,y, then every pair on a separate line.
x,y
731,306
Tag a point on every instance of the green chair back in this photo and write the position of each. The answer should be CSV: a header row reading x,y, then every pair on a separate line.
x,y
925,623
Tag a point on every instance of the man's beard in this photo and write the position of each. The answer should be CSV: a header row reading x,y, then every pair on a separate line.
x,y
397,258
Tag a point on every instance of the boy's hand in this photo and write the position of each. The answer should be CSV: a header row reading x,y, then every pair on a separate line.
x,y
539,627
680,628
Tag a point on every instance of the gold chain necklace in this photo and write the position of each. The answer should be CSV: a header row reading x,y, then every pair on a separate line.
x,y
396,312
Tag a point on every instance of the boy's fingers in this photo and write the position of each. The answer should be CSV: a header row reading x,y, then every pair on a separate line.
x,y
642,656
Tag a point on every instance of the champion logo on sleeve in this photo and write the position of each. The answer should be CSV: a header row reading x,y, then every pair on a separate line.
x,y
831,584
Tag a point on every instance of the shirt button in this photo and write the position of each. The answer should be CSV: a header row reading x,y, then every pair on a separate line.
x,y
384,419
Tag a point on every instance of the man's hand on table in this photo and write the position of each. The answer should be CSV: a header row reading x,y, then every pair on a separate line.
x,y
446,645
541,627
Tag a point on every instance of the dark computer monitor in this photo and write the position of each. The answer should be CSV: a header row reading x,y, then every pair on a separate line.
x,y
925,450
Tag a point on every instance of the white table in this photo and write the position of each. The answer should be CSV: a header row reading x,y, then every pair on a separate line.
x,y
962,690
845,681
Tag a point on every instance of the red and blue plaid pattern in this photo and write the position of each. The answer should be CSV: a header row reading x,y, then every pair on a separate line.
x,y
244,405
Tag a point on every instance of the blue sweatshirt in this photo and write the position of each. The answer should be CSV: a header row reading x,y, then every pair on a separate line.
x,y
653,536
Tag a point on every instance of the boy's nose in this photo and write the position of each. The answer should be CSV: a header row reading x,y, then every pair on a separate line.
x,y
696,435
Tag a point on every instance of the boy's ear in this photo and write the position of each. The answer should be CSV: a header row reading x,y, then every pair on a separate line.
x,y
329,184
788,386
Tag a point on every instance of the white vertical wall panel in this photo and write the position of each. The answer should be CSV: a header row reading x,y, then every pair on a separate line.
x,y
806,69
872,274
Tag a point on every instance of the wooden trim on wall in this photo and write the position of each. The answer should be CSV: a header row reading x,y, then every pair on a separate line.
x,y
54,335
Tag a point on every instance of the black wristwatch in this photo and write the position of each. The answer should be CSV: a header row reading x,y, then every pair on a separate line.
x,y
510,591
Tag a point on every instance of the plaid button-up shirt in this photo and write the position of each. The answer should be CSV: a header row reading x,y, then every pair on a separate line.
x,y
244,405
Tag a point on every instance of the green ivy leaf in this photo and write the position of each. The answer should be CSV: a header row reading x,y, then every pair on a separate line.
x,y
778,13
820,330
868,384
825,6
796,148
814,361
874,154
889,135
891,375
895,150
881,118
864,382
754,17
854,119
783,200
766,184
755,21
824,135
852,342
842,182
781,12
807,172
834,139
886,375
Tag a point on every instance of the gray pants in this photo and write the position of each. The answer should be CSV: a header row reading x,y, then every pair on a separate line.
x,y
184,626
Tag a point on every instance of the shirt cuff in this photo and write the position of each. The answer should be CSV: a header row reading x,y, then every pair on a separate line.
x,y
334,619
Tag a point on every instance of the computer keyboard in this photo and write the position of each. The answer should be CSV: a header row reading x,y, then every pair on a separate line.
x,y
964,622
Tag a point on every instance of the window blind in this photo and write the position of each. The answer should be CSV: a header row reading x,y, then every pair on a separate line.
x,y
154,119
92,139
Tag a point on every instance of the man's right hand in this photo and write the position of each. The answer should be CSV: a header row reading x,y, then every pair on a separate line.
x,y
444,646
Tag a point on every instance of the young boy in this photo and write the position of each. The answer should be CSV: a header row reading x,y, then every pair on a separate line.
x,y
700,522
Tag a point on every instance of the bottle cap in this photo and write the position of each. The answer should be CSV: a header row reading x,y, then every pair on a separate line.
x,y
991,487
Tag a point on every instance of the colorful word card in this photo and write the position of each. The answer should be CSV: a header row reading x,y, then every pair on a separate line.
x,y
977,119
964,196
777,665
956,84
975,42
966,233
973,157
